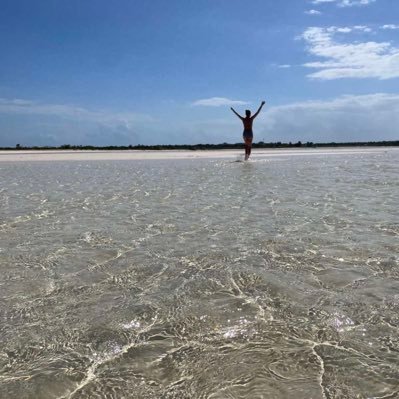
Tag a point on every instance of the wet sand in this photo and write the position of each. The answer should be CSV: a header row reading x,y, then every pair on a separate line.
x,y
105,155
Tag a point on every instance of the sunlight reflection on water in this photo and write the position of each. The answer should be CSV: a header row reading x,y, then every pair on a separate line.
x,y
200,278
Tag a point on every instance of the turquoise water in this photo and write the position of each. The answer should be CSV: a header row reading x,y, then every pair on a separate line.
x,y
276,278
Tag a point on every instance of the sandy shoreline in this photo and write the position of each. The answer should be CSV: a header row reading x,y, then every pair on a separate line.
x,y
104,155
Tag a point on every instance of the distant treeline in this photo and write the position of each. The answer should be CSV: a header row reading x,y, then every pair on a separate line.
x,y
222,146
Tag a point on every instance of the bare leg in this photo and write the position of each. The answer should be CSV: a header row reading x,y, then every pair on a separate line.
x,y
248,145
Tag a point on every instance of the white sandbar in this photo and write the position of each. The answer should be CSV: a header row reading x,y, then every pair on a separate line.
x,y
105,155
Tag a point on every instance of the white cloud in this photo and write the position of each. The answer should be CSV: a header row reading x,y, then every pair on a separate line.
x,y
26,107
218,102
284,66
362,28
323,1
352,59
312,12
390,27
345,3
348,118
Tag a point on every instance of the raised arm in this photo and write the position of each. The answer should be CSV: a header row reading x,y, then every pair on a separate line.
x,y
257,112
236,113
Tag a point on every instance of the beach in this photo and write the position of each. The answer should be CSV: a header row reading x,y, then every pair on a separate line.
x,y
70,155
186,274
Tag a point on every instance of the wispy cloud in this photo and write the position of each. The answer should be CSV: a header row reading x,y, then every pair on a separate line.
x,y
27,107
350,59
389,27
345,3
36,123
312,12
218,102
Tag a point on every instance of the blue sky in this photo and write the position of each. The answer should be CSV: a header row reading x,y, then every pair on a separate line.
x,y
165,72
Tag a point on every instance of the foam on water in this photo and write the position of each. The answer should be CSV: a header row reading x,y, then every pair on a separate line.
x,y
206,278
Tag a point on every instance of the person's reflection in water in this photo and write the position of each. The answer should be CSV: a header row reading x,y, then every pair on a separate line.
x,y
248,133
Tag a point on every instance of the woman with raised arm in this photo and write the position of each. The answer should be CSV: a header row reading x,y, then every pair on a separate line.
x,y
248,134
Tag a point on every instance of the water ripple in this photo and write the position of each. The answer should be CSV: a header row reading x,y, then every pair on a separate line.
x,y
200,278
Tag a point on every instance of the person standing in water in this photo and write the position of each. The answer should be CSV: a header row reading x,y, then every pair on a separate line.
x,y
248,134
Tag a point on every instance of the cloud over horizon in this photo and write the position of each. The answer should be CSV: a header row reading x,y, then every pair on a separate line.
x,y
56,124
20,106
371,117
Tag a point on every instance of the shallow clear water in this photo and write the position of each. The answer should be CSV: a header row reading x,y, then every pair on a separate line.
x,y
276,278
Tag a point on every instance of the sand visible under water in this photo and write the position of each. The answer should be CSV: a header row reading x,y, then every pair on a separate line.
x,y
186,274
